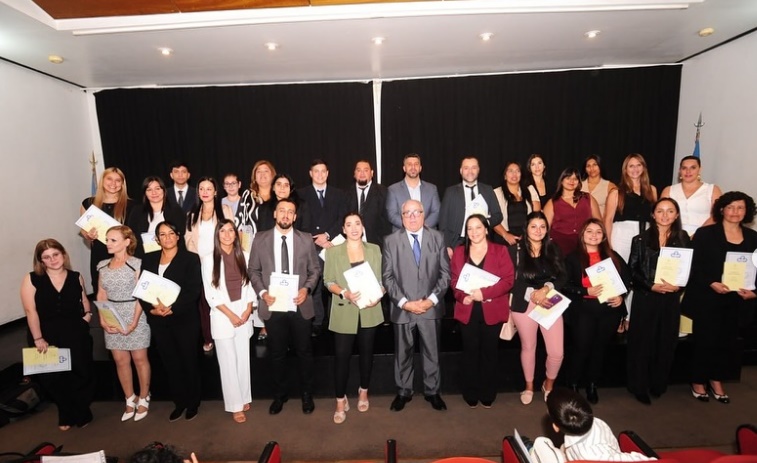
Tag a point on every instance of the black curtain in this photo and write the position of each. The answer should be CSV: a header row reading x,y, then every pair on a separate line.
x,y
227,129
565,116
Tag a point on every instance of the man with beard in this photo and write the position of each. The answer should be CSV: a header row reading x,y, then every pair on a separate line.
x,y
411,187
369,200
283,249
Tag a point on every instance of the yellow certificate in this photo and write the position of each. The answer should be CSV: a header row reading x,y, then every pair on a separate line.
x,y
604,273
739,271
674,266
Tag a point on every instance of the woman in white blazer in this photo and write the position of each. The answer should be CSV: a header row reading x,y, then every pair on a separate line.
x,y
230,296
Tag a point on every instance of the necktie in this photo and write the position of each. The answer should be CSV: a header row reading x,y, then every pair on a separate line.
x,y
181,198
284,255
362,199
320,197
416,249
472,193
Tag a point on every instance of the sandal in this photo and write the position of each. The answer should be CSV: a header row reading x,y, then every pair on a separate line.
x,y
131,403
246,408
144,403
526,397
339,417
239,417
64,427
362,405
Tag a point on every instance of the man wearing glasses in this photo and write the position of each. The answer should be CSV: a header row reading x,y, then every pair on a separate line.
x,y
416,275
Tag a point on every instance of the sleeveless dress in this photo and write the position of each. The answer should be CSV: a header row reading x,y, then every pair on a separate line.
x,y
119,284
599,193
629,223
695,210
567,222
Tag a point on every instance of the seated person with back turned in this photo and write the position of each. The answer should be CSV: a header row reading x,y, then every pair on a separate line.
x,y
586,437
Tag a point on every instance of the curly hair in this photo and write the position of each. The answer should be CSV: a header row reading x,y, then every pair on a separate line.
x,y
731,197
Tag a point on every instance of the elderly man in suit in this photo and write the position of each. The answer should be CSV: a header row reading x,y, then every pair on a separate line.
x,y
411,187
369,200
457,205
283,249
416,275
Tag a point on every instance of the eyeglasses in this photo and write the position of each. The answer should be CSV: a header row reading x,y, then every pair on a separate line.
x,y
408,214
230,183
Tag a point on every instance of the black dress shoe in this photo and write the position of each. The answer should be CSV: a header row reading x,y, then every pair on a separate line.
x,y
191,414
399,402
436,402
317,330
471,403
307,403
277,405
591,394
700,397
176,414
643,398
487,403
722,398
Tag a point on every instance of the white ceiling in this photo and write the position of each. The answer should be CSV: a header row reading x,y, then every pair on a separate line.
x,y
328,43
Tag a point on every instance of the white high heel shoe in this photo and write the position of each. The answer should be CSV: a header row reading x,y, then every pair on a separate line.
x,y
131,402
339,417
144,403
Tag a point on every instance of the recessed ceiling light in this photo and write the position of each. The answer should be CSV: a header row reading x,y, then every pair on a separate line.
x,y
486,36
55,59
706,32
165,51
592,34
271,45
378,40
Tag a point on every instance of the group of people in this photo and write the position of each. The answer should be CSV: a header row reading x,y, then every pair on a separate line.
x,y
230,256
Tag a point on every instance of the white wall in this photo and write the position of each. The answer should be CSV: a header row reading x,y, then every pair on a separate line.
x,y
45,145
722,84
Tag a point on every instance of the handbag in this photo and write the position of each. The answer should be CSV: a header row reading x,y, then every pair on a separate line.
x,y
509,330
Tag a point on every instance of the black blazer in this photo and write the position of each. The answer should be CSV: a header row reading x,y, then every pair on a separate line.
x,y
190,199
452,212
643,258
326,219
184,270
517,255
375,219
139,222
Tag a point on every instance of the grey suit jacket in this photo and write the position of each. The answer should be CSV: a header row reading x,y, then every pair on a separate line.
x,y
452,213
262,264
404,279
397,194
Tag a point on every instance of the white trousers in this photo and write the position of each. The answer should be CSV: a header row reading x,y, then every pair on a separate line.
x,y
234,362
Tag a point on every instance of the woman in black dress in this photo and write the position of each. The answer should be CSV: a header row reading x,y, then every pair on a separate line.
x,y
715,308
58,314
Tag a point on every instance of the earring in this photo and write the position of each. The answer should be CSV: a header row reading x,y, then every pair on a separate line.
x,y
699,177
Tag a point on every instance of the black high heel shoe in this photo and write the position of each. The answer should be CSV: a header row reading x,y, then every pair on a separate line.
x,y
722,398
700,397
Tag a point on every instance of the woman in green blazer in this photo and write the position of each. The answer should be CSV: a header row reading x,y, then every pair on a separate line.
x,y
348,322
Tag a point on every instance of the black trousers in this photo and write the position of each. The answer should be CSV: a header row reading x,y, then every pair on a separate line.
x,y
592,326
479,359
652,338
343,347
716,328
179,351
285,329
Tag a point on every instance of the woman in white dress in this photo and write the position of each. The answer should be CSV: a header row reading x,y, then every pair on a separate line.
x,y
230,296
594,184
694,196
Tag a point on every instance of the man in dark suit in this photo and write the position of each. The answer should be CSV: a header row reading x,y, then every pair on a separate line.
x,y
181,194
369,199
460,201
416,275
327,206
411,187
283,249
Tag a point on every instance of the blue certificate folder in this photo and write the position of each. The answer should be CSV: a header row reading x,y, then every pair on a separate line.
x,y
55,359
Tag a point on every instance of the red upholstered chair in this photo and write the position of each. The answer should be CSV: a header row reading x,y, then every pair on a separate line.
x,y
746,439
271,453
511,452
736,459
631,442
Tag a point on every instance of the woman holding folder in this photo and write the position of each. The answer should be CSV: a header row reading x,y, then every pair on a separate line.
x,y
349,322
176,327
653,331
153,210
58,314
594,317
481,310
715,305
230,297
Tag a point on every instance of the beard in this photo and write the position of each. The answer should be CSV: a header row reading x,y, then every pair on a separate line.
x,y
284,226
362,182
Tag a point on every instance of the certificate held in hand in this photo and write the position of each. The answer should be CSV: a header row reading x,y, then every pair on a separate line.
x,y
739,271
95,218
109,315
284,288
361,279
152,287
674,266
472,277
604,273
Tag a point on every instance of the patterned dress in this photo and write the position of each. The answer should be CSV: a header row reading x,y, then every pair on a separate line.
x,y
119,284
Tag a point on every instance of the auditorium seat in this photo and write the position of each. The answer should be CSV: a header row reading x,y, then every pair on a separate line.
x,y
271,453
746,439
631,442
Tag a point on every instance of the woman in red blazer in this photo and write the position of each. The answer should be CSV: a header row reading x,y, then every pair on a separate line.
x,y
481,311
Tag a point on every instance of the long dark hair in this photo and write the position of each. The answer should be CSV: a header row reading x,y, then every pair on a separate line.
x,y
238,254
550,253
675,233
524,191
484,221
146,206
568,172
605,250
195,215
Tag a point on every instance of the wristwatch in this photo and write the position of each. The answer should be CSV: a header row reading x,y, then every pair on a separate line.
x,y
342,293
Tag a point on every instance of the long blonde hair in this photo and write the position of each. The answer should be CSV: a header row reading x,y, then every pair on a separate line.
x,y
625,185
119,210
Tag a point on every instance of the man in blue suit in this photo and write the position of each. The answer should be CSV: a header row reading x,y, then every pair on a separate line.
x,y
411,187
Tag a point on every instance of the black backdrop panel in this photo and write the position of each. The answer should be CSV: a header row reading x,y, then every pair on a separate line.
x,y
565,116
222,129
